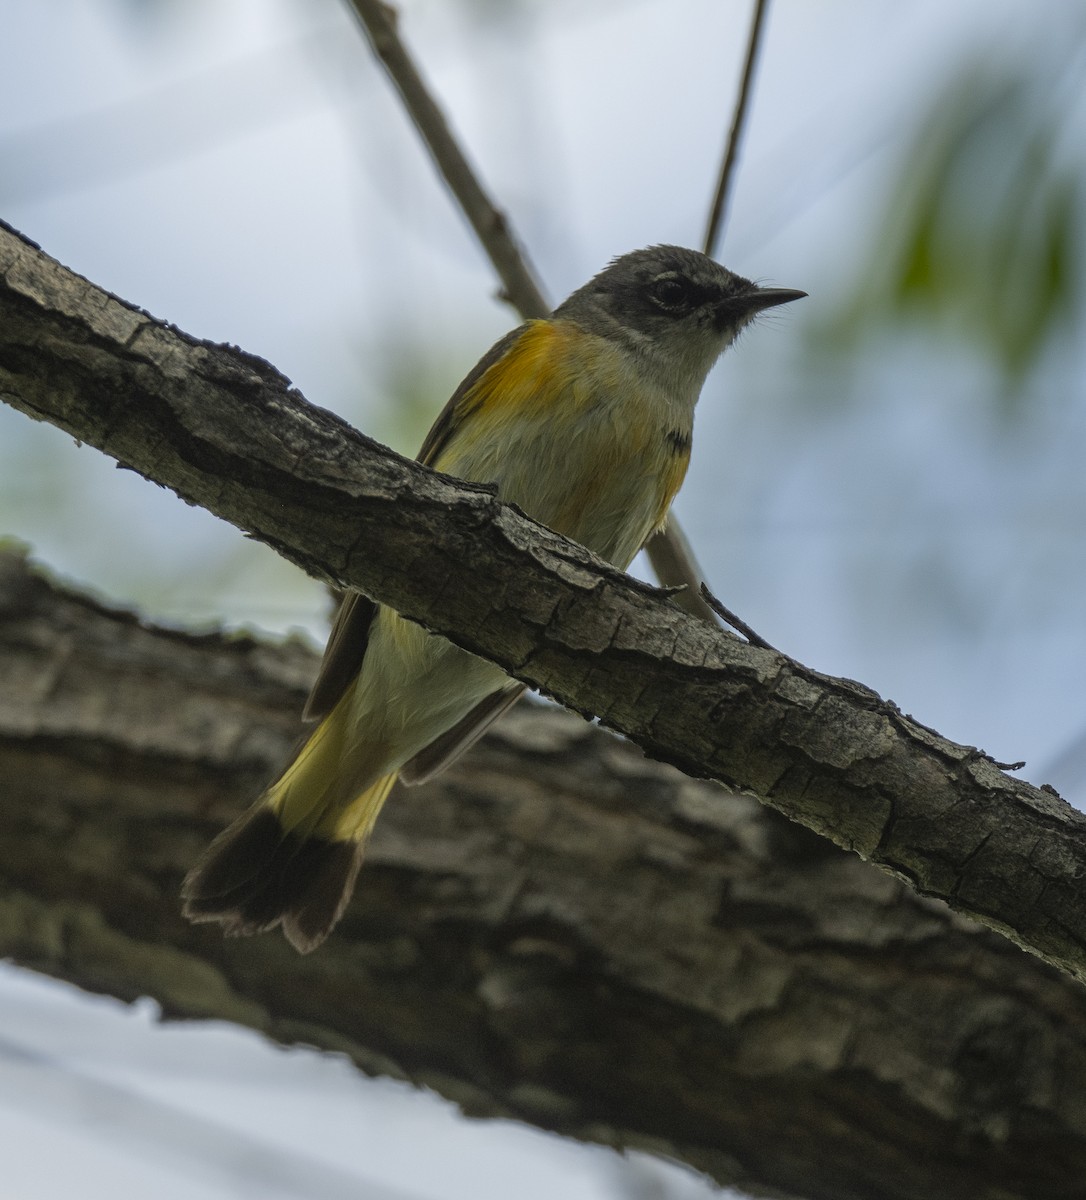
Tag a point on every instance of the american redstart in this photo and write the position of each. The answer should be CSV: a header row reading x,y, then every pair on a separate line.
x,y
584,420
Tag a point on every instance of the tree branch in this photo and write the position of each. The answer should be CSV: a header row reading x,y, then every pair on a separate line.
x,y
225,431
719,208
557,930
490,224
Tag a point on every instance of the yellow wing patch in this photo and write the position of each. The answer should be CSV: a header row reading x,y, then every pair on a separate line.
x,y
532,370
545,366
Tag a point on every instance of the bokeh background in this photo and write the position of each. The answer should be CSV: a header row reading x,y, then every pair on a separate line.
x,y
888,481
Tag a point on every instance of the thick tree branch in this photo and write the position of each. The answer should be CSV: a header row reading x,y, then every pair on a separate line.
x,y
557,930
224,430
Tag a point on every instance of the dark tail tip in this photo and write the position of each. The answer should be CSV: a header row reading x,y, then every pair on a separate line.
x,y
256,875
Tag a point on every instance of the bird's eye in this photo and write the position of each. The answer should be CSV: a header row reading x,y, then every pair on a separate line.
x,y
670,292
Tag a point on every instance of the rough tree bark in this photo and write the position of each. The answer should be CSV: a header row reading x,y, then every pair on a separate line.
x,y
226,431
558,930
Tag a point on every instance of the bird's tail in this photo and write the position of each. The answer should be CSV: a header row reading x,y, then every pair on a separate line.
x,y
292,859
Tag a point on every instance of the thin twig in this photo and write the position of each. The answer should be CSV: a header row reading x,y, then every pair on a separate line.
x,y
491,227
674,565
669,552
731,154
737,623
670,555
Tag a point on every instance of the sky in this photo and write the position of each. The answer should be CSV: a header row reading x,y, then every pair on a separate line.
x,y
242,169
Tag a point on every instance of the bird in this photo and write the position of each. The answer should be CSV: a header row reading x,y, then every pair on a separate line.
x,y
584,420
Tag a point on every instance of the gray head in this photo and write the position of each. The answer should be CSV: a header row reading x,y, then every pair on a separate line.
x,y
677,308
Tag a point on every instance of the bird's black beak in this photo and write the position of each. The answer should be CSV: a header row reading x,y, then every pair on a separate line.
x,y
760,298
735,310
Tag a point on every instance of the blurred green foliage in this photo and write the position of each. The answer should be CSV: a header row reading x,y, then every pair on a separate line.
x,y
414,382
982,236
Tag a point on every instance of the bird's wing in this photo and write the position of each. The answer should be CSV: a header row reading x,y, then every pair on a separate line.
x,y
449,419
444,750
343,656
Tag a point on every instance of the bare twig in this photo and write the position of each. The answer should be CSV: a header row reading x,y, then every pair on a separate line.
x,y
675,566
727,167
670,554
489,222
737,623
